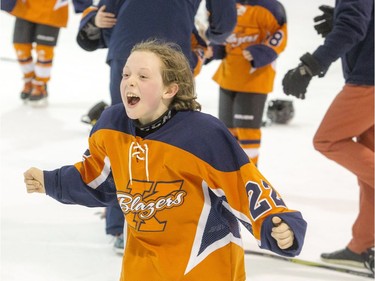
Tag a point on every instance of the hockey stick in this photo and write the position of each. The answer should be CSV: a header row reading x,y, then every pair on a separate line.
x,y
8,59
311,263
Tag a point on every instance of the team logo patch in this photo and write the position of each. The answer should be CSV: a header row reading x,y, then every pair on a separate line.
x,y
145,199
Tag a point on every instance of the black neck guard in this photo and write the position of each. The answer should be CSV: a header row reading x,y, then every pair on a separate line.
x,y
144,130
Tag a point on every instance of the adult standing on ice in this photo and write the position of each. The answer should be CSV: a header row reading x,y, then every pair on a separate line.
x,y
346,133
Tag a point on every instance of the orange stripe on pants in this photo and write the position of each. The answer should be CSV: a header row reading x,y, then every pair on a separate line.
x,y
44,63
25,59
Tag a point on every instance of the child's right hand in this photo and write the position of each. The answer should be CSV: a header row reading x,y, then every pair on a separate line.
x,y
34,180
282,233
104,19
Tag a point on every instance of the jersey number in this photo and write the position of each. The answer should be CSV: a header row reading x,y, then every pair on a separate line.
x,y
276,38
260,206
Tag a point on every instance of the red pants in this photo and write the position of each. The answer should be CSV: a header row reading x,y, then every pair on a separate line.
x,y
346,136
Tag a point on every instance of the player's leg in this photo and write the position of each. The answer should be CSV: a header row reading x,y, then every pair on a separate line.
x,y
46,39
226,100
363,228
115,80
114,217
346,137
248,113
349,116
362,241
22,43
115,225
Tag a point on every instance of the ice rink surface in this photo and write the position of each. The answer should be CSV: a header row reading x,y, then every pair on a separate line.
x,y
43,240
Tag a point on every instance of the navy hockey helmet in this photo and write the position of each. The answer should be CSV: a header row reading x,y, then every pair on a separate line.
x,y
280,111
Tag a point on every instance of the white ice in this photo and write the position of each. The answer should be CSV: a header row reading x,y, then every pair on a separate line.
x,y
43,240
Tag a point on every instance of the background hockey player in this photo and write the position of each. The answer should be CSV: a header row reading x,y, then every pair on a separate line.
x,y
37,25
247,71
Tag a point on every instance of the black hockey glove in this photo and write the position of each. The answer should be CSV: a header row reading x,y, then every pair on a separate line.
x,y
88,38
296,80
324,23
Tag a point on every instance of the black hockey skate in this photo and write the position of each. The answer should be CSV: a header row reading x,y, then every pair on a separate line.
x,y
38,96
26,91
94,113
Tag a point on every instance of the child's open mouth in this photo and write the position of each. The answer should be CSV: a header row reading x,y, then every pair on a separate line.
x,y
132,99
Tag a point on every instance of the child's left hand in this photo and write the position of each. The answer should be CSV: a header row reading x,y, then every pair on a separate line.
x,y
282,233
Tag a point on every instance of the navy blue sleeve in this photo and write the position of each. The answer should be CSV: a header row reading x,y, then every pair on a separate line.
x,y
66,186
81,5
222,19
7,5
351,21
218,52
87,29
295,222
262,55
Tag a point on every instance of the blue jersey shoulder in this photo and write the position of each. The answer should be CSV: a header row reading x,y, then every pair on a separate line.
x,y
206,137
275,8
114,118
195,132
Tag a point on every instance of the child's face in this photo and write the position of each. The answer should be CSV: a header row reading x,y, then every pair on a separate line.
x,y
142,90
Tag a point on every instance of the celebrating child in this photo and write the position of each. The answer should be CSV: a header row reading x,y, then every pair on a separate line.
x,y
183,182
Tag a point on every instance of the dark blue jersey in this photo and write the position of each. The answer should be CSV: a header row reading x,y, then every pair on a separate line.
x,y
352,40
170,20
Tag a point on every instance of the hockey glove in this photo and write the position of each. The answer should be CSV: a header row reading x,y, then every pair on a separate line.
x,y
324,22
92,32
88,38
296,80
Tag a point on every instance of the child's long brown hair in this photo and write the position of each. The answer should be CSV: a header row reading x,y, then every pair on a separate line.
x,y
175,69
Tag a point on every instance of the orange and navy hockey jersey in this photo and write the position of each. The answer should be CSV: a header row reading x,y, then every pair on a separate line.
x,y
184,190
48,12
262,30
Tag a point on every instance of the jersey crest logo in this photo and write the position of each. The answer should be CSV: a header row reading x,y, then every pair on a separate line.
x,y
145,199
234,40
